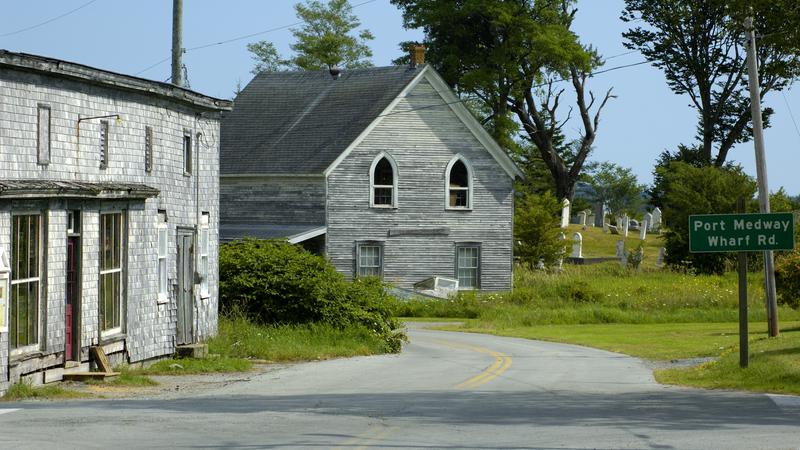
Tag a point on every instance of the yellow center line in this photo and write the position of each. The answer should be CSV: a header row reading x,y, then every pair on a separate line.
x,y
366,439
502,363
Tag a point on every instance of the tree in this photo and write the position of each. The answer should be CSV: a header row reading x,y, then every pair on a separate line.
x,y
617,188
700,190
511,54
536,229
699,46
324,41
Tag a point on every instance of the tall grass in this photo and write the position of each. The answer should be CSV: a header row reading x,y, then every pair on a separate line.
x,y
603,293
239,337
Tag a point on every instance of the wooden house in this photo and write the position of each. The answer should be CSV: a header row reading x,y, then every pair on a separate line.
x,y
383,170
108,217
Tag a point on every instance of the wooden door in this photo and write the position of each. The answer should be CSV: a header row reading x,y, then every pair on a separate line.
x,y
72,324
185,261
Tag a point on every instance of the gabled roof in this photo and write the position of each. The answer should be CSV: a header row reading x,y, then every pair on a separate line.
x,y
305,123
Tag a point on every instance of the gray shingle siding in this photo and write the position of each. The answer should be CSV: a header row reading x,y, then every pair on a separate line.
x,y
148,326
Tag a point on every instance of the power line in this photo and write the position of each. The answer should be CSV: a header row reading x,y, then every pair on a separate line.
x,y
532,87
238,38
22,30
796,128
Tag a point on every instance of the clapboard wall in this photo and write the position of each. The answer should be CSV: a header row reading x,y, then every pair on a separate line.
x,y
422,134
273,199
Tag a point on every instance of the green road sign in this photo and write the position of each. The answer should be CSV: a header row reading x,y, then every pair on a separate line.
x,y
712,233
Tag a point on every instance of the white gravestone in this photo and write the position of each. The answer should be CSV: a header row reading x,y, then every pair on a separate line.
x,y
590,220
661,255
620,248
582,218
656,219
648,222
626,223
565,214
643,233
577,246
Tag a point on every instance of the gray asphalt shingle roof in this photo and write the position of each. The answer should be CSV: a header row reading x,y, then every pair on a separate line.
x,y
300,122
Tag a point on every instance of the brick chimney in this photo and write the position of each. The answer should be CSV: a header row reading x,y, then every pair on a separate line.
x,y
417,55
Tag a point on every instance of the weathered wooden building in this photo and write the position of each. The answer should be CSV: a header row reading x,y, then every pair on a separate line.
x,y
108,217
383,169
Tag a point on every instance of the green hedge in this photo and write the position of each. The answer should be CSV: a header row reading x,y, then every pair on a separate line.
x,y
273,282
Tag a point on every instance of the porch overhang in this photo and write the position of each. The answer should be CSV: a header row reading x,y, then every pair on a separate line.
x,y
32,189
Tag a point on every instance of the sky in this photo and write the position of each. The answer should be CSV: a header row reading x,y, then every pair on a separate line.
x,y
134,38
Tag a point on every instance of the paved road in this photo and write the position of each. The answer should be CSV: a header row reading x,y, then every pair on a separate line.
x,y
445,391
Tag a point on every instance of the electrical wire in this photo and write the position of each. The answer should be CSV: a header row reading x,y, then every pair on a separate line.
x,y
238,38
625,66
796,128
22,30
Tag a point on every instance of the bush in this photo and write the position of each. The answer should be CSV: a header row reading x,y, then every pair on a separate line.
x,y
787,279
273,282
699,190
536,229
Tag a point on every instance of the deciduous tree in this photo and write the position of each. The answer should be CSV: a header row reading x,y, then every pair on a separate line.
x,y
511,54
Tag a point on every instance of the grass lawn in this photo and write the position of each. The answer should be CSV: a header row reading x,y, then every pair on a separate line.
x,y
597,244
24,391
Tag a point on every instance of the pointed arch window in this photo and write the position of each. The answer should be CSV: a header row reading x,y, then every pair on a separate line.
x,y
383,182
458,184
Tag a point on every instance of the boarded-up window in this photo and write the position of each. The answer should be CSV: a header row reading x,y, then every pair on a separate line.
x,y
187,153
26,251
103,144
43,135
148,149
111,279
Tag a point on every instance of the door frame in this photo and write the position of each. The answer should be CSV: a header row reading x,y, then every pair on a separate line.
x,y
74,234
185,301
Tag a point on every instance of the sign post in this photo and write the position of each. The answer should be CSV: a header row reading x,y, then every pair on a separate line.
x,y
716,233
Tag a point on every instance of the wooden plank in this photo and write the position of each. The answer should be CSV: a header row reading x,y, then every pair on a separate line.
x,y
99,357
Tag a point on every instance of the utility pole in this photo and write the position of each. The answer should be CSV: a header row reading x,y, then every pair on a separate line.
x,y
761,172
177,45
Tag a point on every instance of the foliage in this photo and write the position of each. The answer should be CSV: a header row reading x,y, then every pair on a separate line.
x,y
779,201
324,41
787,279
240,337
515,53
536,229
700,47
273,282
699,190
617,188
635,257
24,390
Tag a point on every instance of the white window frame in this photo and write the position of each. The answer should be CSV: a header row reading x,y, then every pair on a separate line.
x,y
373,186
122,244
371,244
202,254
162,250
469,188
12,282
468,245
5,292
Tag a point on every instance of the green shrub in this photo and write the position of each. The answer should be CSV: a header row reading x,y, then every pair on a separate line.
x,y
787,279
536,229
273,282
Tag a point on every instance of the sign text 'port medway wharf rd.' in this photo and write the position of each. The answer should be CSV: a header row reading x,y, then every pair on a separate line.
x,y
711,233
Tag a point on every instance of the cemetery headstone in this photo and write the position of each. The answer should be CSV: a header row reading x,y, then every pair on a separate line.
x,y
577,245
565,214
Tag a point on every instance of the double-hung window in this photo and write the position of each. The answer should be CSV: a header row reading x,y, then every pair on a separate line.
x,y
369,259
26,260
163,294
468,265
112,246
458,184
383,182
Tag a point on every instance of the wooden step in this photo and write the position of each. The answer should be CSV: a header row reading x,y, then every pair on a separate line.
x,y
83,376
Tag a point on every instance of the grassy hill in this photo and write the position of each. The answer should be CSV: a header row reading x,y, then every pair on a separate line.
x,y
597,244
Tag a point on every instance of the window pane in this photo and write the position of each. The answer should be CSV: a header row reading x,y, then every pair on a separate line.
x,y
384,176
458,197
468,261
369,263
383,196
